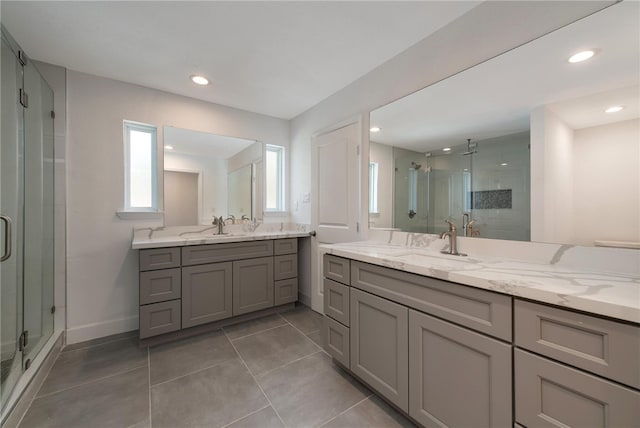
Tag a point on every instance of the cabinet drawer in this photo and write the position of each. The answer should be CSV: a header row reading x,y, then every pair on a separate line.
x,y
159,258
285,291
336,301
604,347
549,394
159,285
336,268
285,267
159,318
202,254
336,341
285,246
484,311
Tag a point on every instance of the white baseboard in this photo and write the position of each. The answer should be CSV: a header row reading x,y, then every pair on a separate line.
x,y
101,329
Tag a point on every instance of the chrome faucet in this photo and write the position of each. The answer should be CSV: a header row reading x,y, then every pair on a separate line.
x,y
232,218
452,233
220,223
244,217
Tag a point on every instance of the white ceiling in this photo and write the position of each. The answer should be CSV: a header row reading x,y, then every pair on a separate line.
x,y
274,58
496,98
196,143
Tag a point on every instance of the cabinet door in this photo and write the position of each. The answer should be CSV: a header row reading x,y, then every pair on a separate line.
x,y
252,285
549,394
459,378
379,346
206,293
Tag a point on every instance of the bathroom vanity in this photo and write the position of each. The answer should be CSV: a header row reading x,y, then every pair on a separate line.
x,y
191,284
454,341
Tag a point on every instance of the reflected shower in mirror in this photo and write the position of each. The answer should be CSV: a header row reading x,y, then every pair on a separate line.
x,y
201,177
525,146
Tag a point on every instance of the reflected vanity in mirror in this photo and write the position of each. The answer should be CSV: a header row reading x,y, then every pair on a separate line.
x,y
208,175
525,146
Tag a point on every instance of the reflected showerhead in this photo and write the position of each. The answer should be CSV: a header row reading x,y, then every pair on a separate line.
x,y
471,148
415,165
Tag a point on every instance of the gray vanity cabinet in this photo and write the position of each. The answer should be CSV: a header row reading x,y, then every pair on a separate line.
x,y
379,345
549,394
252,285
206,293
459,378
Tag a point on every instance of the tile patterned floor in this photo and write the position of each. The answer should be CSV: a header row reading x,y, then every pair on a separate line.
x,y
269,372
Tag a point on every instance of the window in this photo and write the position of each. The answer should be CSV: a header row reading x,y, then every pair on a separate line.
x,y
141,172
274,166
373,187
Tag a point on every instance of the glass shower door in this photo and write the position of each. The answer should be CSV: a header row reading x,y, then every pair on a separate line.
x,y
11,226
39,213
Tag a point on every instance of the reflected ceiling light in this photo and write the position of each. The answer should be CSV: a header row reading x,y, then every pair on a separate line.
x,y
614,109
168,147
504,164
581,56
446,149
375,129
199,80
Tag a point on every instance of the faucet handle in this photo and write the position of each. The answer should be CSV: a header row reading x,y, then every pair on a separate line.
x,y
452,226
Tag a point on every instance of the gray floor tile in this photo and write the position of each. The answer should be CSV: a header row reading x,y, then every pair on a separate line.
x,y
371,413
311,391
100,341
254,326
117,401
273,348
189,355
212,397
304,319
88,364
316,336
265,418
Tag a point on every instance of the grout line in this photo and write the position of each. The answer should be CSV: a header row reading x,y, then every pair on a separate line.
x,y
257,332
149,364
88,382
245,416
257,383
287,363
345,411
306,337
188,374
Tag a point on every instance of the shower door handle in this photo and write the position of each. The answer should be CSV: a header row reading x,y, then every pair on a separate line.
x,y
7,237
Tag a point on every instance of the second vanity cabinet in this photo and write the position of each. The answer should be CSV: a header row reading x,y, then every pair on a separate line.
x,y
183,287
450,355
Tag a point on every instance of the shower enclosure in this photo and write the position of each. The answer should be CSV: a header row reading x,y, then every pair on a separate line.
x,y
27,216
487,180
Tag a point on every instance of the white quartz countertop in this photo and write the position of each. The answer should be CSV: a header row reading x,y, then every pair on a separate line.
x,y
184,236
615,295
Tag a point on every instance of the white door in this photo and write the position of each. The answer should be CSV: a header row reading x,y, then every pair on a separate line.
x,y
335,187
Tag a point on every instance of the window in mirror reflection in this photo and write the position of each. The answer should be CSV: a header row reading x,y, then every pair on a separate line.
x,y
140,167
373,188
274,166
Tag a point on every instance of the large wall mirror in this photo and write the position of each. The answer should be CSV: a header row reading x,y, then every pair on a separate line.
x,y
208,175
525,146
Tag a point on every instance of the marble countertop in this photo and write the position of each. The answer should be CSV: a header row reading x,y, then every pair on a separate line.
x,y
163,237
615,295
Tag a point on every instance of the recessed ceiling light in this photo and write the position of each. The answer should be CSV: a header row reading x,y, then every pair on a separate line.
x,y
581,56
168,147
614,109
446,149
375,129
504,164
199,80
